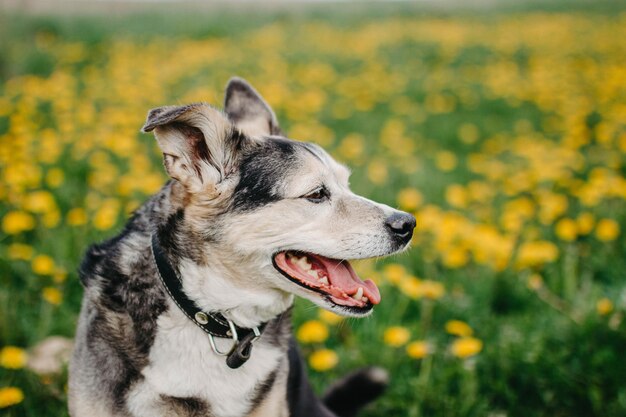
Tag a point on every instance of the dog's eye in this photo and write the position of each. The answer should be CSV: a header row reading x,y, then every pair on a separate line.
x,y
317,196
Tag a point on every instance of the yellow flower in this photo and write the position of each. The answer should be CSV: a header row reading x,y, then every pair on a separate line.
x,y
604,306
431,289
607,230
55,177
411,286
12,357
536,253
468,133
15,222
466,347
418,349
396,336
52,295
377,172
585,222
409,199
458,328
329,317
76,216
455,257
535,282
566,229
106,216
352,146
323,360
312,331
43,265
59,276
394,273
39,202
10,396
456,196
445,161
20,251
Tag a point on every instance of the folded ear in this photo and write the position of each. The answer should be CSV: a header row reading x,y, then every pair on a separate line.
x,y
246,108
199,144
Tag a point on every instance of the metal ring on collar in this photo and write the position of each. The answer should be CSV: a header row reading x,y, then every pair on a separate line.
x,y
234,336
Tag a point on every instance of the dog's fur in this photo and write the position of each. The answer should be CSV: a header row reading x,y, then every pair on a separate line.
x,y
240,193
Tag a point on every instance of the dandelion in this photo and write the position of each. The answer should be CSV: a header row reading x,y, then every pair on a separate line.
x,y
418,349
394,273
458,328
445,160
106,216
432,290
55,177
566,229
20,251
455,257
411,286
352,147
15,222
536,253
59,276
535,282
323,360
456,196
12,357
396,336
409,199
607,230
466,347
468,133
377,172
584,223
52,295
76,216
10,396
329,317
39,202
604,306
312,331
43,265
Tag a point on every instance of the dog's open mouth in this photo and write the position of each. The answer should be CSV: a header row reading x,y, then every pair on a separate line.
x,y
331,277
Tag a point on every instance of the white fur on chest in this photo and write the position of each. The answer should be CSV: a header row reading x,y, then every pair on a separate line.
x,y
182,364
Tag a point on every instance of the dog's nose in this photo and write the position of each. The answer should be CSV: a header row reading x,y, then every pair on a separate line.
x,y
401,225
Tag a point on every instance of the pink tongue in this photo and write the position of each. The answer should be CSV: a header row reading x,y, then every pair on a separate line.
x,y
342,275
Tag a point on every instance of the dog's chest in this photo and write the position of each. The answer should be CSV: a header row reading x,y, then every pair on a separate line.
x,y
182,365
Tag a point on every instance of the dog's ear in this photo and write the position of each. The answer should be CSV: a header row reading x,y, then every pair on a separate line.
x,y
246,108
199,144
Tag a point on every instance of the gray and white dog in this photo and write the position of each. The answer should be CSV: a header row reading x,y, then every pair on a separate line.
x,y
186,312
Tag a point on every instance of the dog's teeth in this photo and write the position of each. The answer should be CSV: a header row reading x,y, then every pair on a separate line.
x,y
365,299
312,272
302,263
359,294
324,280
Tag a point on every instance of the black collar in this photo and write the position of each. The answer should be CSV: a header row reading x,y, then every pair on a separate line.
x,y
214,324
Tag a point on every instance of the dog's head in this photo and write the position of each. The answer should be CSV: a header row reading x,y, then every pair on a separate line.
x,y
277,214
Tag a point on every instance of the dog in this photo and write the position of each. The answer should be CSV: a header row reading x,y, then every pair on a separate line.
x,y
187,311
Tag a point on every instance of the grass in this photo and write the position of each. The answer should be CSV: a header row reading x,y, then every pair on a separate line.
x,y
503,131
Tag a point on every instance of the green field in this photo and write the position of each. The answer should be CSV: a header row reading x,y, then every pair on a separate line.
x,y
503,131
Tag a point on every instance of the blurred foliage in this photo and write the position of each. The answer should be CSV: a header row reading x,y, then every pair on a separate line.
x,y
503,132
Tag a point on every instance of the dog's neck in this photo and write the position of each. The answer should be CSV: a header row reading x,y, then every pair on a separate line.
x,y
213,290
216,283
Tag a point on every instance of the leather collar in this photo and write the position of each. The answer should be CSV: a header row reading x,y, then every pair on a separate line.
x,y
214,324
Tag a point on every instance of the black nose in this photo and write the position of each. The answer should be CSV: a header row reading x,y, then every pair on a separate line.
x,y
401,225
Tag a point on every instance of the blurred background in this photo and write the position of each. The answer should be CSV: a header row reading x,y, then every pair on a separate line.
x,y
500,124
